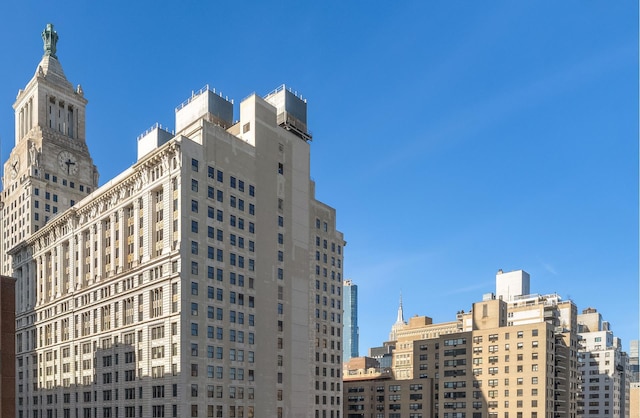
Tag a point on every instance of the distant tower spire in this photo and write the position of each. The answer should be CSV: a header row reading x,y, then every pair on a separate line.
x,y
400,319
50,39
399,322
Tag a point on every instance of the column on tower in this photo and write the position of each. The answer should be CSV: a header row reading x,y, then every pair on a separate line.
x,y
66,265
145,227
71,121
60,116
100,256
65,119
30,293
174,211
92,253
79,268
136,232
30,114
167,220
113,219
39,280
71,275
21,123
159,227
19,275
47,276
128,237
50,114
51,276
59,249
25,118
121,241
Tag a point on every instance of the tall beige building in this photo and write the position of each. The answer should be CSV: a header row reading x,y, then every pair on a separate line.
x,y
513,359
205,280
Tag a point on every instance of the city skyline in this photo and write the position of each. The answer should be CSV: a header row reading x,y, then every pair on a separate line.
x,y
452,140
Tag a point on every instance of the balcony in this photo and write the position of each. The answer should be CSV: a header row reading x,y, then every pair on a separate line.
x,y
550,314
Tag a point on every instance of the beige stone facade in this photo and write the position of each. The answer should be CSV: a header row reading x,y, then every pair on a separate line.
x,y
501,359
634,400
205,280
49,168
374,393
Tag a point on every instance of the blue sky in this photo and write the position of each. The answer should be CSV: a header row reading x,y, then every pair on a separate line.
x,y
453,138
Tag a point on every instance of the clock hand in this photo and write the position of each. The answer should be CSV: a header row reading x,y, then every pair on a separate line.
x,y
69,163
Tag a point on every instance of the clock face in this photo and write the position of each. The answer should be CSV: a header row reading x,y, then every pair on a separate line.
x,y
68,163
15,166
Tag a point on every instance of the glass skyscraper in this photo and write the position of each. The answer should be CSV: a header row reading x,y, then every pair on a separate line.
x,y
350,320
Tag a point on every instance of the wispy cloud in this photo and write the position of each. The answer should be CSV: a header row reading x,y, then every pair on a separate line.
x,y
479,115
390,267
466,289
549,268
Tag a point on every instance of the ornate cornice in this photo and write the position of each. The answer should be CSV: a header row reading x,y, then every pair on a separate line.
x,y
107,198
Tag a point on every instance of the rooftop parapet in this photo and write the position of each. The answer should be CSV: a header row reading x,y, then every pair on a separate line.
x,y
208,104
152,138
291,110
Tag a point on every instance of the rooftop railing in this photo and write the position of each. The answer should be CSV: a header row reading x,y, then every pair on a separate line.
x,y
289,89
195,94
155,126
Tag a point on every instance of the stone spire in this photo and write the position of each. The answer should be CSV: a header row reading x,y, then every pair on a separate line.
x,y
50,39
399,324
47,87
400,320
49,66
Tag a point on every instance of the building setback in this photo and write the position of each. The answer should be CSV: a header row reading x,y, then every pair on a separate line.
x,y
185,286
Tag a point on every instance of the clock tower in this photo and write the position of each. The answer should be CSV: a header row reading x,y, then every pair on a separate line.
x,y
49,168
